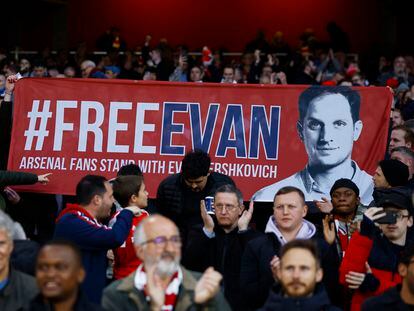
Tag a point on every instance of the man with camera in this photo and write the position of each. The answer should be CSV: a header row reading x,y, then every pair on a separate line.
x,y
370,265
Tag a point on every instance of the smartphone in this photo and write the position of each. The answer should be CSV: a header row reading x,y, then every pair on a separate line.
x,y
389,218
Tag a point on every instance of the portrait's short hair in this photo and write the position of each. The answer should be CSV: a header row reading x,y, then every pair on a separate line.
x,y
88,187
68,244
308,245
317,91
290,189
408,133
195,164
126,186
229,188
129,169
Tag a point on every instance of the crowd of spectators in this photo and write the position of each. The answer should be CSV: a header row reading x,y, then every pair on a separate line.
x,y
109,247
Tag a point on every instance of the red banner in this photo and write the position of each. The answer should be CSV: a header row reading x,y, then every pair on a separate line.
x,y
253,133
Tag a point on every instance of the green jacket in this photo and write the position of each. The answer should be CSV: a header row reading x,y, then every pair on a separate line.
x,y
8,178
122,295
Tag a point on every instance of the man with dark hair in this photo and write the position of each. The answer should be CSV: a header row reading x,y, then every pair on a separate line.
x,y
179,195
328,125
221,244
369,266
228,75
400,297
82,225
299,276
59,273
401,136
260,261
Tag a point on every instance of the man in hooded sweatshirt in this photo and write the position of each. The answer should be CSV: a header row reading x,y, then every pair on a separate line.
x,y
260,261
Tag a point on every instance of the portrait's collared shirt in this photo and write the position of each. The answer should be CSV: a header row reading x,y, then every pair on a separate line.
x,y
313,191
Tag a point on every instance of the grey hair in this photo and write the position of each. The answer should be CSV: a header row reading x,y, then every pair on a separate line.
x,y
405,151
88,63
139,234
229,188
6,224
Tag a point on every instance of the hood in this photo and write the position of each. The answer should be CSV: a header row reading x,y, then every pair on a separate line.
x,y
307,230
73,209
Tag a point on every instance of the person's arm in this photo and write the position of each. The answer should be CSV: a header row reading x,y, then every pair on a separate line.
x,y
254,285
91,236
8,178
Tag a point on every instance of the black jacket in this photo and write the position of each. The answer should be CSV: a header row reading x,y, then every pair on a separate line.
x,y
318,301
82,304
256,276
224,253
389,300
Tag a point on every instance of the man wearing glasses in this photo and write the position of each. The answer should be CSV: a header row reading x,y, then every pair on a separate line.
x,y
179,195
221,245
370,265
160,283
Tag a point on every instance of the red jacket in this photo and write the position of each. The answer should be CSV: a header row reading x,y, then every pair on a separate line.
x,y
364,249
126,260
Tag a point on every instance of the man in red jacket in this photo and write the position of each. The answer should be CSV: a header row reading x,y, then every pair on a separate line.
x,y
370,265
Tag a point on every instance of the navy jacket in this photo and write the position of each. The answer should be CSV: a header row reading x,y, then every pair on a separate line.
x,y
94,240
318,301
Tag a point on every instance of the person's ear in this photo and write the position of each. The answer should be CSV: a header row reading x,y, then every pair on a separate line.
x,y
305,211
410,221
319,275
81,275
402,269
96,200
139,251
408,145
357,129
299,128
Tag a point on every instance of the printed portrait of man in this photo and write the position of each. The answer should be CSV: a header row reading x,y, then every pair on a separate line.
x,y
328,126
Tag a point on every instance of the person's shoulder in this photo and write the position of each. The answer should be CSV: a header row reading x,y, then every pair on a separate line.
x,y
386,301
267,193
172,179
221,178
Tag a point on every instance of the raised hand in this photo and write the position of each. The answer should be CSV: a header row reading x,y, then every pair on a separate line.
x,y
244,220
328,230
208,286
207,219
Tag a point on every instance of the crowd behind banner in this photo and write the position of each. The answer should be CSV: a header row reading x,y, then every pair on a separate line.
x,y
111,247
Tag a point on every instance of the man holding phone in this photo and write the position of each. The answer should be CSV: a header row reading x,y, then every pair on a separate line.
x,y
221,243
370,263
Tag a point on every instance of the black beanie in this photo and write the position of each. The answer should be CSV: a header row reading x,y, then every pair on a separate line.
x,y
395,172
345,183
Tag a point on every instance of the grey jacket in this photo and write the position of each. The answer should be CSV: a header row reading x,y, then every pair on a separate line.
x,y
122,295
21,288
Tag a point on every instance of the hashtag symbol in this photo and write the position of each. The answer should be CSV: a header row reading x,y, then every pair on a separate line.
x,y
41,132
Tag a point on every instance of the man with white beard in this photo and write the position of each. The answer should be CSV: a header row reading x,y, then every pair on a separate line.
x,y
160,283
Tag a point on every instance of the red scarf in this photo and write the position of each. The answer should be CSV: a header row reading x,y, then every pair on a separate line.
x,y
171,292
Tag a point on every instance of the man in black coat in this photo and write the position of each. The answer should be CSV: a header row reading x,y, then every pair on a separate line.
x,y
179,195
221,245
299,275
400,297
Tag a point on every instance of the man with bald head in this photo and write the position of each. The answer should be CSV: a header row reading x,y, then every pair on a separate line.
x,y
160,283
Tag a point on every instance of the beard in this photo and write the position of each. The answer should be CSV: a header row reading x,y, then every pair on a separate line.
x,y
166,264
